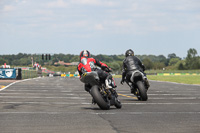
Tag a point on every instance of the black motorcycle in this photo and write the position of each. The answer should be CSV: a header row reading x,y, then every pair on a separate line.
x,y
104,97
137,85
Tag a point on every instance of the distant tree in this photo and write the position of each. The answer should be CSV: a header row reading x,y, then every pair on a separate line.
x,y
148,63
115,66
20,55
161,58
2,61
181,66
74,59
153,58
159,65
173,61
173,55
117,57
104,58
191,53
24,61
192,60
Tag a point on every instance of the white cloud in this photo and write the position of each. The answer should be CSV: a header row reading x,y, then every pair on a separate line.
x,y
109,3
99,27
24,1
123,23
44,12
8,8
81,23
57,3
160,28
95,2
112,17
88,2
69,25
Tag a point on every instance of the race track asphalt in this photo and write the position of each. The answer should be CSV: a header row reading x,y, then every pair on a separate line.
x,y
61,105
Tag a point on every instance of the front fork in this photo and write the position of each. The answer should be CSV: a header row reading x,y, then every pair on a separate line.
x,y
109,92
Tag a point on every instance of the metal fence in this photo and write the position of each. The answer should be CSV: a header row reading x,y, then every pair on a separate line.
x,y
29,74
32,74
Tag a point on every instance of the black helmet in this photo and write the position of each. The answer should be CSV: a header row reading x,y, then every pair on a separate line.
x,y
85,53
129,53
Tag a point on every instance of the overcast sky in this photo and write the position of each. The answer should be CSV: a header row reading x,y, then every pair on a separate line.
x,y
100,26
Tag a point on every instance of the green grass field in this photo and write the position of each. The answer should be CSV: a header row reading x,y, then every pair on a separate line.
x,y
186,79
173,71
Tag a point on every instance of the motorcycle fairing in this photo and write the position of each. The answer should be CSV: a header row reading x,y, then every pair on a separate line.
x,y
138,74
91,78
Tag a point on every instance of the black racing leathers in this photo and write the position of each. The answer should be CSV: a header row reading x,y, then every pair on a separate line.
x,y
130,64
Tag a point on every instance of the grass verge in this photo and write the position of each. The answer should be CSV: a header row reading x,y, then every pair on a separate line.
x,y
186,79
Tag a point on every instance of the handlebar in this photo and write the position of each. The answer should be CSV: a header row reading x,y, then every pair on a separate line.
x,y
104,68
108,69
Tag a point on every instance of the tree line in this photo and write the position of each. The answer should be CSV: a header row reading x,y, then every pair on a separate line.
x,y
151,62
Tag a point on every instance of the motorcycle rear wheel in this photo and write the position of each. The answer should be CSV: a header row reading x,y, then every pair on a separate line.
x,y
99,99
142,91
118,104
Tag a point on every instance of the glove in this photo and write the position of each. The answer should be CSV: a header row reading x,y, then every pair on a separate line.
x,y
106,69
143,67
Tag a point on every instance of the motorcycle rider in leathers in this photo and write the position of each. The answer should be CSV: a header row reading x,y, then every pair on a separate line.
x,y
130,64
88,64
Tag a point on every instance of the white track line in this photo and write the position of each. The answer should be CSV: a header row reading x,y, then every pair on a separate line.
x,y
174,83
165,94
83,103
29,97
102,113
15,83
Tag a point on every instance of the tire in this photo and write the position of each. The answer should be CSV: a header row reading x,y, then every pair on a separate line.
x,y
142,91
101,102
118,104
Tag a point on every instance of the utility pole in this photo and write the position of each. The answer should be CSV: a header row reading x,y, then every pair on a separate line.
x,y
32,60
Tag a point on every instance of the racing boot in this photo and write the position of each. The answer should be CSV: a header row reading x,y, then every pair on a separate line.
x,y
93,102
146,82
133,91
108,84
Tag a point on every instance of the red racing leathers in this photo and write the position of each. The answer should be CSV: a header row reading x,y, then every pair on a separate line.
x,y
89,64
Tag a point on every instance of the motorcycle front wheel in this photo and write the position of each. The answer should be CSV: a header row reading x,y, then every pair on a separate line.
x,y
118,104
99,99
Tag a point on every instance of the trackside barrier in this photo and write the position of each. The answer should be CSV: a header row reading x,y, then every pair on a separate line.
x,y
177,74
63,75
159,74
26,74
11,73
8,73
69,75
